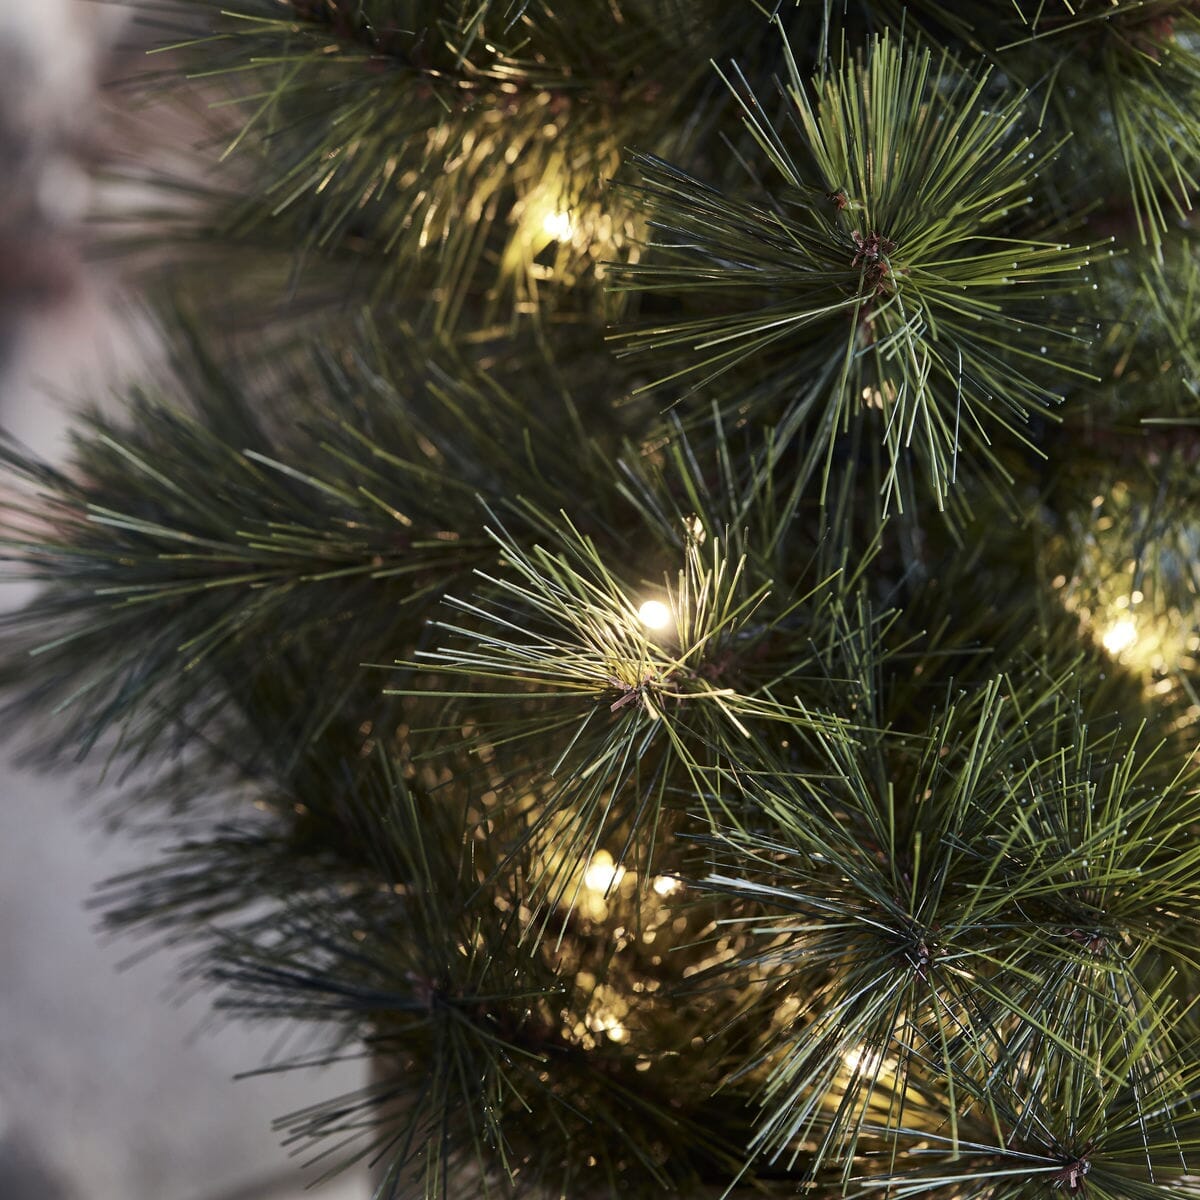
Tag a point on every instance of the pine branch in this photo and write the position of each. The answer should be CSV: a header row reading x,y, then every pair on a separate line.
x,y
947,914
244,529
460,151
908,293
609,711
1130,1134
493,1056
1134,60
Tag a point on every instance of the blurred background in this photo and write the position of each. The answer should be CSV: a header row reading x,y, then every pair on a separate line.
x,y
112,1087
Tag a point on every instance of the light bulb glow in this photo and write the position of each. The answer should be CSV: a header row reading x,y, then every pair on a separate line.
x,y
1120,636
603,874
863,1061
654,614
559,225
664,885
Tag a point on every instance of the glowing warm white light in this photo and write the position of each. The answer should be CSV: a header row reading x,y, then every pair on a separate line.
x,y
654,614
559,226
858,1057
602,874
1120,636
664,885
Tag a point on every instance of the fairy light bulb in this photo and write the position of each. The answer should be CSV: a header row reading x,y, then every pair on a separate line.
x,y
602,874
558,225
860,1059
654,614
1119,636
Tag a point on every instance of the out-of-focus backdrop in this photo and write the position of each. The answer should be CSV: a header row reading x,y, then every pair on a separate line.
x,y
110,1089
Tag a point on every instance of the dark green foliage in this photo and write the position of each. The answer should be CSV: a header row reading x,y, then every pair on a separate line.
x,y
224,499
1121,78
459,151
1138,65
494,1055
978,924
913,292
641,715
870,864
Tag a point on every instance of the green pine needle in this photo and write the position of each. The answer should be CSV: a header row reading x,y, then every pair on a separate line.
x,y
459,151
904,291
1012,898
641,712
490,1052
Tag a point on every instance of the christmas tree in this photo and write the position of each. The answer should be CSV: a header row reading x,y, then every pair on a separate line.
x,y
658,591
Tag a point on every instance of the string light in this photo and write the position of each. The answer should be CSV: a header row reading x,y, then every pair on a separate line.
x,y
861,1059
654,614
558,225
603,874
615,1031
852,1058
664,885
1119,636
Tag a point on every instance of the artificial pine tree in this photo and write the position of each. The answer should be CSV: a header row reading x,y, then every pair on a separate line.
x,y
659,589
